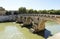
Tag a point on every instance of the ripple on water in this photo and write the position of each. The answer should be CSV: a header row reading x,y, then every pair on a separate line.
x,y
11,32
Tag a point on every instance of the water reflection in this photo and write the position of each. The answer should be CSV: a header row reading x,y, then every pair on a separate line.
x,y
11,32
47,34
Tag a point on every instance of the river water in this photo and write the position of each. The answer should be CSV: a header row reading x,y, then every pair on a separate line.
x,y
51,28
11,31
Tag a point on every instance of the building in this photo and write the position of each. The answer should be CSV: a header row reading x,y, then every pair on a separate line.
x,y
2,11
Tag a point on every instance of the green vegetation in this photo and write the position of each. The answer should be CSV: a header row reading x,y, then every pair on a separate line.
x,y
23,10
31,11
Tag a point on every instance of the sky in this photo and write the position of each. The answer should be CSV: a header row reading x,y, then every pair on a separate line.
x,y
30,4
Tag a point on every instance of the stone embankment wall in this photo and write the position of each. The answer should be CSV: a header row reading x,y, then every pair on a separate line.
x,y
7,18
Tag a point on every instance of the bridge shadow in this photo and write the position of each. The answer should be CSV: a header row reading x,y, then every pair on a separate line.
x,y
40,33
44,33
47,33
29,26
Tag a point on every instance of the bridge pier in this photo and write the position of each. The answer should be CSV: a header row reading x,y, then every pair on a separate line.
x,y
40,26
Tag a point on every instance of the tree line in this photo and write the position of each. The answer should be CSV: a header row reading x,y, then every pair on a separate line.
x,y
23,10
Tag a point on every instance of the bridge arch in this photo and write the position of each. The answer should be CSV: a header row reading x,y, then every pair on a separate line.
x,y
39,21
40,26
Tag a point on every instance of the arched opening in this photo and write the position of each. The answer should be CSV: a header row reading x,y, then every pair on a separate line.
x,y
19,19
27,23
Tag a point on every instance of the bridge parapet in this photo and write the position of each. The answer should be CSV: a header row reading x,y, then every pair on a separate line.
x,y
40,15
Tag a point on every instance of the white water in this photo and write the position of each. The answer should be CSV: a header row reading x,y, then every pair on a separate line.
x,y
11,32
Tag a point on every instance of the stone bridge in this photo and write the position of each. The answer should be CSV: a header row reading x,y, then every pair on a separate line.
x,y
38,20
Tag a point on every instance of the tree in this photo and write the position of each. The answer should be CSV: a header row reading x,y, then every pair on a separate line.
x,y
51,11
15,12
22,10
57,12
44,12
35,11
39,11
8,12
30,11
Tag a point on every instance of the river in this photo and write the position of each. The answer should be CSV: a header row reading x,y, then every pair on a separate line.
x,y
14,31
51,28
